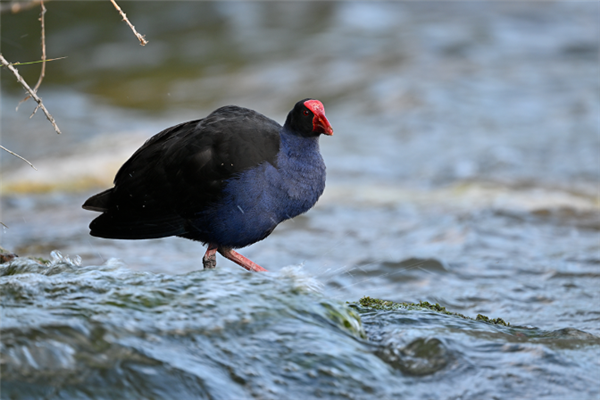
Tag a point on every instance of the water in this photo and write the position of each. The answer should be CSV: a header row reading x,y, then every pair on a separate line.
x,y
463,171
106,331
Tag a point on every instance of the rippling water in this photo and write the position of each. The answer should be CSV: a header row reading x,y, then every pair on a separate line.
x,y
70,331
464,171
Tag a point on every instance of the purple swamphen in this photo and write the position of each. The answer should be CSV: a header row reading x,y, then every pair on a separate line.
x,y
226,180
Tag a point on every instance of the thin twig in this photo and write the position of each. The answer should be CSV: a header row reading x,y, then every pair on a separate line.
x,y
17,6
143,41
31,92
43,72
37,62
16,155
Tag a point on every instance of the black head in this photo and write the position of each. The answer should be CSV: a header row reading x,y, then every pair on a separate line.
x,y
308,119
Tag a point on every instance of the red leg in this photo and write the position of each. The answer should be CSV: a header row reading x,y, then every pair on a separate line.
x,y
210,257
240,259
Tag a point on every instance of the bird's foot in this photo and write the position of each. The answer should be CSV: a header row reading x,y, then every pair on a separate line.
x,y
210,257
240,259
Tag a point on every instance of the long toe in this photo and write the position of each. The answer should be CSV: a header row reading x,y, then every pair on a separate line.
x,y
240,260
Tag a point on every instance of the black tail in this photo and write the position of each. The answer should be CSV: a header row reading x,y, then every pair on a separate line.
x,y
98,202
112,225
126,224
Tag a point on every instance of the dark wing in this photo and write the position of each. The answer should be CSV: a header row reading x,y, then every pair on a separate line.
x,y
181,171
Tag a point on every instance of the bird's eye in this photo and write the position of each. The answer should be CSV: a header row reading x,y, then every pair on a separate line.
x,y
306,112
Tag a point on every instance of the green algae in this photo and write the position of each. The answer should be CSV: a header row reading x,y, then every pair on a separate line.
x,y
495,321
387,305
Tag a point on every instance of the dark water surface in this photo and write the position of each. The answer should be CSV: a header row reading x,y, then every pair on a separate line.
x,y
464,170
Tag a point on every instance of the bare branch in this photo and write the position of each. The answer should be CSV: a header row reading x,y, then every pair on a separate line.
x,y
43,72
18,156
16,6
31,92
143,41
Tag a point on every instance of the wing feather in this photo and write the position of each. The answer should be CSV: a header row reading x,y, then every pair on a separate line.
x,y
182,171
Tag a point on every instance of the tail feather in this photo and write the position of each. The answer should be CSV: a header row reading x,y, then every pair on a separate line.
x,y
117,226
99,202
128,224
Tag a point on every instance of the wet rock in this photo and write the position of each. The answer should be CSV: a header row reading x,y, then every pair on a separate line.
x,y
6,256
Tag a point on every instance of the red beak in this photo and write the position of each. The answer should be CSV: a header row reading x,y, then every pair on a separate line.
x,y
320,122
322,125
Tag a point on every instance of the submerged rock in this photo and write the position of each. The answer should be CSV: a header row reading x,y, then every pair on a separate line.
x,y
6,256
422,356
386,305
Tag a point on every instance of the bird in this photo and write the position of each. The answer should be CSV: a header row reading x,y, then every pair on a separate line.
x,y
226,180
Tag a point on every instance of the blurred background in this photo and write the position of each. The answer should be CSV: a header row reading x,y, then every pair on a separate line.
x,y
464,166
464,170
